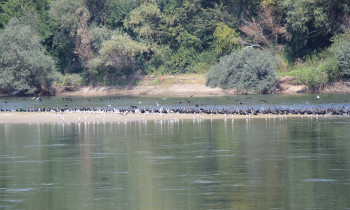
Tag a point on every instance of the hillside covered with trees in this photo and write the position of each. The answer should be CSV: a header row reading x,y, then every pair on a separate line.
x,y
241,44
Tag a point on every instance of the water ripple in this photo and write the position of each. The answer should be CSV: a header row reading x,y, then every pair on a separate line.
x,y
319,180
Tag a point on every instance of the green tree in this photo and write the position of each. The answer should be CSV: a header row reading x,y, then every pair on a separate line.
x,y
119,10
226,39
118,56
246,70
312,24
144,20
30,12
99,10
24,66
12,8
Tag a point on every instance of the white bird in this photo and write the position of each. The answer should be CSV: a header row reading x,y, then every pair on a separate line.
x,y
164,98
157,103
318,96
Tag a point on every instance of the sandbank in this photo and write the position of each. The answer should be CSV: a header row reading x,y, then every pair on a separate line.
x,y
64,117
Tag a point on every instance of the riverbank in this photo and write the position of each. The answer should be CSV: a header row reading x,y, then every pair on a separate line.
x,y
56,117
187,85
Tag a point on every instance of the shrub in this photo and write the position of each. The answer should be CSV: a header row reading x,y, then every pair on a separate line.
x,y
248,70
313,77
317,70
70,80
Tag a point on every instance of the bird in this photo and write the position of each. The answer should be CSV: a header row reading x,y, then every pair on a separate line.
x,y
157,103
164,98
317,96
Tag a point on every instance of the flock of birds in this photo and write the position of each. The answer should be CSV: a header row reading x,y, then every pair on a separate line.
x,y
185,106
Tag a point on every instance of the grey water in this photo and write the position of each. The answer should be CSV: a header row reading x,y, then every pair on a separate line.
x,y
294,163
238,101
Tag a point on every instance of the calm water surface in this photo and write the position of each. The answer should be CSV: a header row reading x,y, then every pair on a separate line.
x,y
210,164
292,101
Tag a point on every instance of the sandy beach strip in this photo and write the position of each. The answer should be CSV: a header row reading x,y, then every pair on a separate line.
x,y
65,117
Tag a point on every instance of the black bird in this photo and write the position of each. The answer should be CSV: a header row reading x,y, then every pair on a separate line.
x,y
264,101
188,101
180,102
227,97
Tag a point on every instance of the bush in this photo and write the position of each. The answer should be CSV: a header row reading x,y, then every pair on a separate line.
x,y
313,77
70,80
248,70
317,70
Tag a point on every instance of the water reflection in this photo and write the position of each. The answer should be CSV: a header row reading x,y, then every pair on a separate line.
x,y
178,164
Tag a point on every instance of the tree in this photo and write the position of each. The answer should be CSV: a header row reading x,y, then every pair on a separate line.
x,y
264,29
99,10
246,70
83,46
312,24
64,13
226,39
118,11
30,12
24,66
117,57
144,20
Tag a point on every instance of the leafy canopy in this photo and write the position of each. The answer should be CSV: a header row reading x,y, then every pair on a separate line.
x,y
24,66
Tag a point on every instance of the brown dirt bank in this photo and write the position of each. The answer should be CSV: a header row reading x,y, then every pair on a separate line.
x,y
53,117
187,85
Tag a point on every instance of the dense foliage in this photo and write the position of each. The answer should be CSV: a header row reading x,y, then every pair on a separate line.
x,y
248,70
24,67
105,40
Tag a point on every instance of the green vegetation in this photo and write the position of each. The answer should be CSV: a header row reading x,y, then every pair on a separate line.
x,y
248,70
110,42
330,65
25,69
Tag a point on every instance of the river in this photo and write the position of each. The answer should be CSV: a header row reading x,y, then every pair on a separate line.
x,y
294,163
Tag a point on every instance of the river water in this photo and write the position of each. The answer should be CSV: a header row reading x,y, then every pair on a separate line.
x,y
294,163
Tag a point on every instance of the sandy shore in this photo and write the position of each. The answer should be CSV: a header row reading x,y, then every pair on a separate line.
x,y
174,85
52,117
